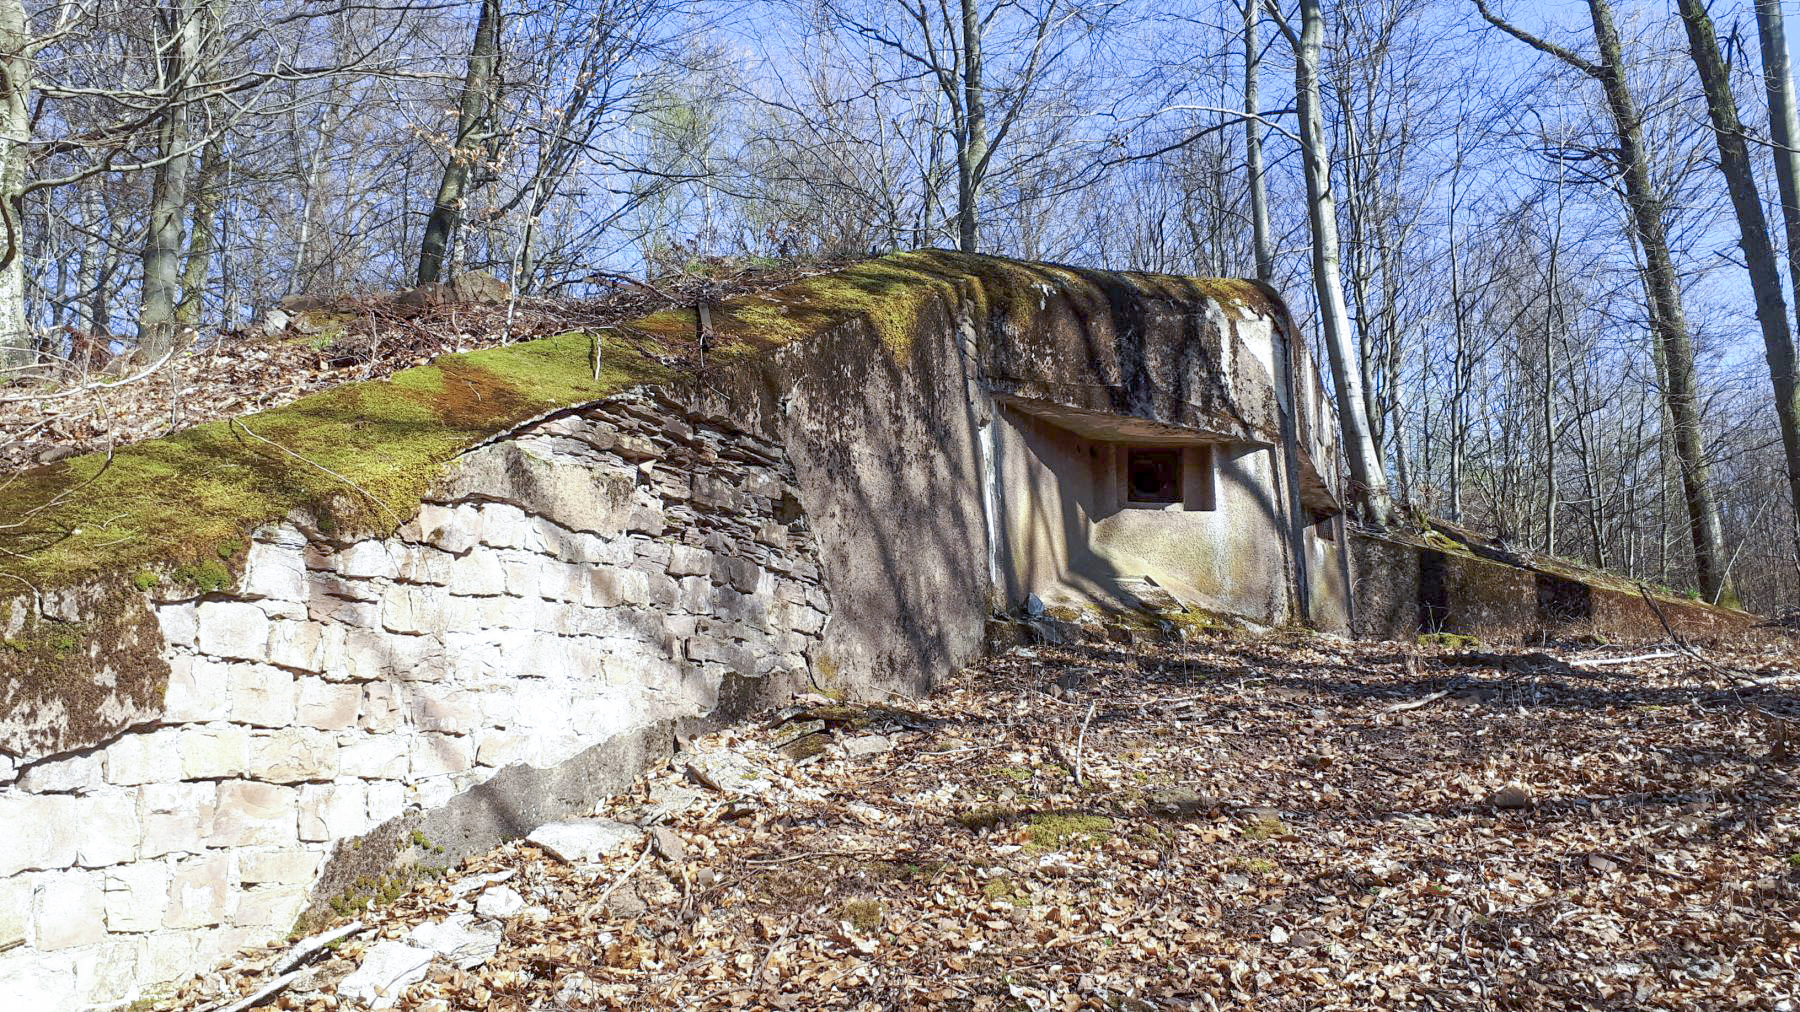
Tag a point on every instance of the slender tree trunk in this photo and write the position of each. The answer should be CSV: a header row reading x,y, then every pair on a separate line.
x,y
471,120
16,83
971,153
1784,129
1370,484
1261,234
201,240
157,324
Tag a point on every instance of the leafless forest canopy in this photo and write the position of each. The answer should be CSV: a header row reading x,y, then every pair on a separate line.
x,y
1543,247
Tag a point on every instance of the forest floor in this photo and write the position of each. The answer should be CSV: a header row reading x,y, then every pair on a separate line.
x,y
1283,822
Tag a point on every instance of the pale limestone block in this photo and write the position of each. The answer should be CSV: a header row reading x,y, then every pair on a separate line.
x,y
500,748
274,571
412,610
143,758
78,773
373,757
414,658
252,813
478,574
173,955
198,887
352,612
297,644
504,526
521,575
233,629
31,979
382,707
421,565
441,754
267,907
293,755
664,592
213,751
328,706
387,798
261,695
696,595
431,792
110,829
332,811
108,972
366,560
69,910
15,909
180,623
456,712
686,560
176,818
292,866
137,896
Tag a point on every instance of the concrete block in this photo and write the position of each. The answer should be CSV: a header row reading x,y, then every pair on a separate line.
x,y
251,814
136,896
261,695
143,758
213,751
198,887
176,818
293,755
69,910
332,811
373,757
286,867
233,629
78,773
328,706
110,829
196,690
441,754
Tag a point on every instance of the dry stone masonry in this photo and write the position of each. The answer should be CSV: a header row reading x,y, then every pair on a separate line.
x,y
592,576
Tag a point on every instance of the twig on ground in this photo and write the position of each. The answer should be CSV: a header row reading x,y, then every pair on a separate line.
x,y
1081,741
1416,703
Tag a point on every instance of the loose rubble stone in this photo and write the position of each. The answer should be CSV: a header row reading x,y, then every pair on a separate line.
x,y
387,970
1511,796
499,903
668,845
729,772
459,939
867,745
587,840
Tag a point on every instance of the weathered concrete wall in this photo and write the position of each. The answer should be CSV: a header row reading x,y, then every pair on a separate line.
x,y
574,591
1406,587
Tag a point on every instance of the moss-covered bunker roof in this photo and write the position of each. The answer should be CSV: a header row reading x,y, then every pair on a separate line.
x,y
359,457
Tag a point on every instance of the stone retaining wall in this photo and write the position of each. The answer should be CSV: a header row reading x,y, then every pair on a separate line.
x,y
587,581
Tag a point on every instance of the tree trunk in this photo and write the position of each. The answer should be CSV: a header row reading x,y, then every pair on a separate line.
x,y
1667,319
1260,231
202,238
472,117
16,343
1370,484
157,324
971,153
1778,81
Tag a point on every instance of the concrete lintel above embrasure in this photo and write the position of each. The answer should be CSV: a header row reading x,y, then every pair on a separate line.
x,y
1114,428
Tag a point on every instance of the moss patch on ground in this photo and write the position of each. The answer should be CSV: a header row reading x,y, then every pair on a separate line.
x,y
358,458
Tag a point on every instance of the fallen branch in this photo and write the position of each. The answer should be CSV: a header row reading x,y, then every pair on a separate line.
x,y
600,901
1080,741
1416,703
1598,662
287,969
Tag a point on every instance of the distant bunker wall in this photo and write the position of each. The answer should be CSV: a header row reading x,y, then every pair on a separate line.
x,y
1408,586
263,662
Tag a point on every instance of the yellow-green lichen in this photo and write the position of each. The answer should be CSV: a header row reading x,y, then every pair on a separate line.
x,y
1059,832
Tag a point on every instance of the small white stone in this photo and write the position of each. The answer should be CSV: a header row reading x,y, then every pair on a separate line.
x,y
458,939
499,903
387,970
586,840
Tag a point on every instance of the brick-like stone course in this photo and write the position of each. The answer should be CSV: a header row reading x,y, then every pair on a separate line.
x,y
595,573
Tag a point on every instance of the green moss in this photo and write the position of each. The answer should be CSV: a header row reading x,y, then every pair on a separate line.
x,y
146,579
985,817
358,458
863,915
1266,827
1458,641
1006,890
1013,773
206,576
1057,832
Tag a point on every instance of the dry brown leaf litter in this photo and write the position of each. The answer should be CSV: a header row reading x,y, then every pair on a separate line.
x,y
1261,828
